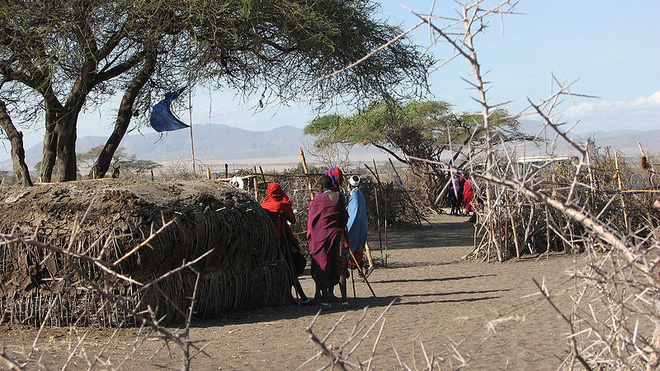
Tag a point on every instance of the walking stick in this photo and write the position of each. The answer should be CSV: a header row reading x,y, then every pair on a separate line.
x,y
354,293
367,252
362,273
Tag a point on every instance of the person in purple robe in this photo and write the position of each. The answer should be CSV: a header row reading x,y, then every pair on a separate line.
x,y
328,241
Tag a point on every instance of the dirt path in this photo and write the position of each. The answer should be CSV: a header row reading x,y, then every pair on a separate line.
x,y
441,302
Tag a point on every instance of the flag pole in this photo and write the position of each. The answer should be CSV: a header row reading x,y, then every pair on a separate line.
x,y
192,145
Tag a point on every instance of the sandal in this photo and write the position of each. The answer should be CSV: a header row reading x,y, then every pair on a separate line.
x,y
307,302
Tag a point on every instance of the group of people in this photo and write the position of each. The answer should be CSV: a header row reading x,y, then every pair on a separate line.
x,y
460,194
336,232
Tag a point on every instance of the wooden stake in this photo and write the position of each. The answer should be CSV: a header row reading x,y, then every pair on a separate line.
x,y
418,216
255,180
376,188
515,232
306,171
646,165
620,185
591,175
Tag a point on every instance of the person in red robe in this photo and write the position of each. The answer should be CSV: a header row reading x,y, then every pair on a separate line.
x,y
327,241
468,200
279,209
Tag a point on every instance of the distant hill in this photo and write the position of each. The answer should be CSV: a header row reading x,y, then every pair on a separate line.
x,y
214,144
623,140
219,144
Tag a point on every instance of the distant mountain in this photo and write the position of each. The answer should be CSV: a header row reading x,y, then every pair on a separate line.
x,y
623,140
213,143
218,144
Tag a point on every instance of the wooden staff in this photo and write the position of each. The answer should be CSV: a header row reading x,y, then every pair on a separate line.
x,y
361,272
367,252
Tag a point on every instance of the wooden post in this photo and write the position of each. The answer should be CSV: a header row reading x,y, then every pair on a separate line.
x,y
208,173
591,175
620,185
418,216
376,188
306,171
514,228
255,180
226,171
646,165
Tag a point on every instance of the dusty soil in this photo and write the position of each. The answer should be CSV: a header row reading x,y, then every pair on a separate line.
x,y
442,303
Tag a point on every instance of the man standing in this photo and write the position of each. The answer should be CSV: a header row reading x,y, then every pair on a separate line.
x,y
327,239
357,223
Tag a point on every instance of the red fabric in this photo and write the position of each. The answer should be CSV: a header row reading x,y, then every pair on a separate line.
x,y
337,177
276,201
359,257
279,209
468,196
327,238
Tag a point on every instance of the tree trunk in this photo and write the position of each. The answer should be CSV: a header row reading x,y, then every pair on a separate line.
x,y
17,151
50,146
124,115
65,163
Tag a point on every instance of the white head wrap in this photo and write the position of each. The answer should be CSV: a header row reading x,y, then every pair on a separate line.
x,y
354,180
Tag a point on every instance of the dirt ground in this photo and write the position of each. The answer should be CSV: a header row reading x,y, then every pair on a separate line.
x,y
471,314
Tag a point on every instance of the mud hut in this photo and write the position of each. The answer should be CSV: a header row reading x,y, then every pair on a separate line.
x,y
121,248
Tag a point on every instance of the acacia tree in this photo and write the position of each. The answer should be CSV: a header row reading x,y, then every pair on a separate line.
x,y
73,54
21,170
87,159
411,130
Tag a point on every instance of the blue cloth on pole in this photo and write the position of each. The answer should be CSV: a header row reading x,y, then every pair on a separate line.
x,y
357,220
162,118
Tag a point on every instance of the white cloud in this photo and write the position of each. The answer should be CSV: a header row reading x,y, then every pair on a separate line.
x,y
642,113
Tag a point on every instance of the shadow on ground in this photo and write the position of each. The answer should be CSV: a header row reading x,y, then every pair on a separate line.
x,y
295,311
448,233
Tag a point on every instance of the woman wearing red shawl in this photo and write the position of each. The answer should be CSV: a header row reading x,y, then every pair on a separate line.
x,y
279,209
327,238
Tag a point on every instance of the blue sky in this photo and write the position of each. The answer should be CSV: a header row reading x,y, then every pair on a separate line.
x,y
610,48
